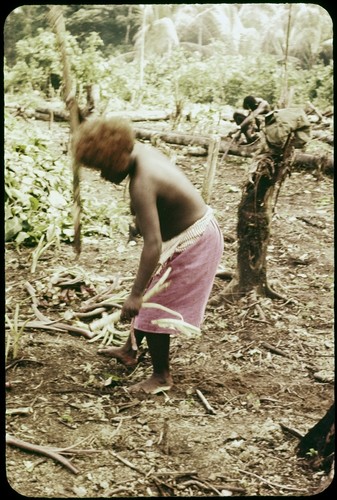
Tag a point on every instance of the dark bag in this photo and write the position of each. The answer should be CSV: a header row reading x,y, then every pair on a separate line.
x,y
280,123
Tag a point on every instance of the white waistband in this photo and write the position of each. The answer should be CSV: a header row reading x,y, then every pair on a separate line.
x,y
186,238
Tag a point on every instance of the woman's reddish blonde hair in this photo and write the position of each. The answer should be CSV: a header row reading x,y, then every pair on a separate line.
x,y
104,143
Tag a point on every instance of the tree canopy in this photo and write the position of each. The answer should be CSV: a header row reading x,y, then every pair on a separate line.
x,y
243,28
199,52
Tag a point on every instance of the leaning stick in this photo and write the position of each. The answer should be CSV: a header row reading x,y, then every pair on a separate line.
x,y
56,20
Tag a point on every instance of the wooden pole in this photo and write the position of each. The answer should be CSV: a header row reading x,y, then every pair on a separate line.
x,y
56,20
213,151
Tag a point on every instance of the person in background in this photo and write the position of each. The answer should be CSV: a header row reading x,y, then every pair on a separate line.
x,y
178,229
250,125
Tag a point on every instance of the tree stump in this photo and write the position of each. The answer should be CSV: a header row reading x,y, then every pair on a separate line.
x,y
318,445
259,197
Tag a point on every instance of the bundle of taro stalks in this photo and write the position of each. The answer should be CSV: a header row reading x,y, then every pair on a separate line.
x,y
98,316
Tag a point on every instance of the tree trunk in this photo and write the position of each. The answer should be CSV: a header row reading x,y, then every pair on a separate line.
x,y
285,99
255,210
318,444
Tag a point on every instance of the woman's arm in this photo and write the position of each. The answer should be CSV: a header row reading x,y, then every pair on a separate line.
x,y
145,208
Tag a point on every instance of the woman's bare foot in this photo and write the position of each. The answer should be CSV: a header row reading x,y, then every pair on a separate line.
x,y
153,385
126,357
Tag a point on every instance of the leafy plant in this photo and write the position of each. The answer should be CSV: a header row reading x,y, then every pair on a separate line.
x,y
13,334
67,418
38,194
40,249
312,453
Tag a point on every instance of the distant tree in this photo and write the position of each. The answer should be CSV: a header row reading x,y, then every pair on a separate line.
x,y
310,27
245,29
114,23
157,34
22,23
200,25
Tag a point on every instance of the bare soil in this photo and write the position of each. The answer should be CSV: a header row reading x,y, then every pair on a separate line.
x,y
262,378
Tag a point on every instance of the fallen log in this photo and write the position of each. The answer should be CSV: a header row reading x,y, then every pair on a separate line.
x,y
43,114
57,115
323,136
142,116
196,140
62,115
322,163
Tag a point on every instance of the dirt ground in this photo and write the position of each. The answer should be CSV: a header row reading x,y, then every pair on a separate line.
x,y
262,378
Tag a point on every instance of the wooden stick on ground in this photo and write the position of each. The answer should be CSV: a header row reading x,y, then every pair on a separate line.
x,y
275,350
39,325
271,483
194,482
42,450
48,451
205,402
129,464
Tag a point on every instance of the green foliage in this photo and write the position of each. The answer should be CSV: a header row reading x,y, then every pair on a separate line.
x,y
221,79
312,453
199,84
14,334
39,57
120,81
215,75
31,185
38,193
88,63
319,86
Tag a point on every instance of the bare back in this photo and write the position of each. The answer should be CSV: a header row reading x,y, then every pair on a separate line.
x,y
156,185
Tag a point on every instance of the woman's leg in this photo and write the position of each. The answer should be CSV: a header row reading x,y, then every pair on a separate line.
x,y
161,379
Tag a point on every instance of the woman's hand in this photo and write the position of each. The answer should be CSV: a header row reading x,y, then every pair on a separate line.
x,y
131,307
